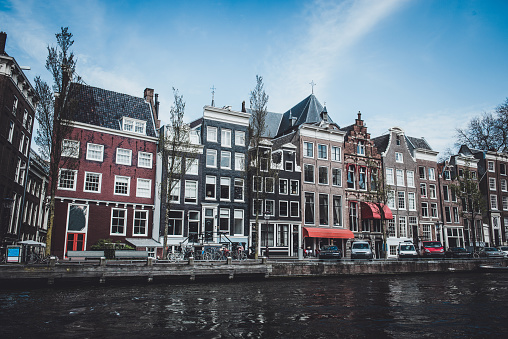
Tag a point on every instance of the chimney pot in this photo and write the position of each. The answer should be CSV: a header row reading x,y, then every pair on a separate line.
x,y
3,39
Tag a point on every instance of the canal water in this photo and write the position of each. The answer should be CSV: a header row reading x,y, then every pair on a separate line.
x,y
455,305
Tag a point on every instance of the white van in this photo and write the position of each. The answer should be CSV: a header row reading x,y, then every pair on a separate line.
x,y
407,250
361,250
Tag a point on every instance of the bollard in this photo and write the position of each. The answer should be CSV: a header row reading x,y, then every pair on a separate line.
x,y
52,261
229,260
103,261
191,261
150,279
264,260
150,261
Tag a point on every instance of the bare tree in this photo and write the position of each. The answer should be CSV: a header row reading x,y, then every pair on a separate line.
x,y
178,152
54,115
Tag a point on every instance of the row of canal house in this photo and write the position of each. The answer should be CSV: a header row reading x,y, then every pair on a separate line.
x,y
313,189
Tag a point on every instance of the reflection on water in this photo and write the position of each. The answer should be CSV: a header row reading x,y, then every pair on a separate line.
x,y
448,305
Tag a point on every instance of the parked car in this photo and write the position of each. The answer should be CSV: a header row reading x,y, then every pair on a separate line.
x,y
330,252
361,250
407,250
491,252
431,249
458,252
504,249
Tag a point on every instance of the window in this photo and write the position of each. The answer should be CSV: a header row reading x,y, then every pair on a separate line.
x,y
432,191
351,176
353,216
398,140
337,210
308,173
224,220
309,208
14,105
425,209
446,175
410,178
210,187
323,175
294,187
402,200
239,138
423,190
133,125
93,182
322,151
433,210
225,137
66,179
502,169
391,199
446,196
140,222
174,193
145,160
282,235
426,231
399,157
211,134
239,161
283,186
94,152
402,227
503,185
225,160
257,184
70,148
336,153
25,116
391,232
413,224
289,166
11,132
308,149
336,177
175,223
323,209
238,222
362,178
264,161
270,207
421,171
360,148
211,158
225,184
191,192
400,177
455,214
492,184
118,221
390,180
122,185
238,189
411,201
258,207
432,174
269,183
294,207
448,214
123,156
493,202
505,203
17,174
283,208
490,166
29,123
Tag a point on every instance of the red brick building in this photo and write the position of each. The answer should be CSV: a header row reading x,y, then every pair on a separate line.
x,y
109,193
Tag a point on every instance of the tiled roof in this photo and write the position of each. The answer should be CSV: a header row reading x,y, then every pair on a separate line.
x,y
100,107
272,122
381,142
287,138
419,143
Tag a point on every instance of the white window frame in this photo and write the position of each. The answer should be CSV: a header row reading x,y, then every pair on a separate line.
x,y
290,188
399,157
490,166
400,177
326,177
134,219
211,134
225,155
225,137
297,209
235,181
401,197
319,151
11,132
336,153
410,175
390,179
432,173
504,187
90,152
339,183
145,157
267,185
313,173
284,202
119,156
99,183
70,148
191,192
360,147
124,222
505,204
239,138
411,201
286,191
493,201
134,125
175,192
238,215
433,210
492,184
211,153
305,149
432,191
272,203
141,188
75,172
119,178
239,161
225,181
208,181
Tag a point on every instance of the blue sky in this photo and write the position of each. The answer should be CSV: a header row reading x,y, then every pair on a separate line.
x,y
426,66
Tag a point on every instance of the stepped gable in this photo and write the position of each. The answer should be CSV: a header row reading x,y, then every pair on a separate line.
x,y
100,107
307,111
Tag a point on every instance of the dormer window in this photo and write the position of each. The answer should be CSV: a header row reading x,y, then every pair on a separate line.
x,y
133,125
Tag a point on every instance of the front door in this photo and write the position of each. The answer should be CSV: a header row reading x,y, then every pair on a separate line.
x,y
209,224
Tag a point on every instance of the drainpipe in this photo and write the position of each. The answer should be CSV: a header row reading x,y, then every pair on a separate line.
x,y
18,228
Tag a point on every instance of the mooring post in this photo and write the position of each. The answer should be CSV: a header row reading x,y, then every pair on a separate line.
x,y
103,261
191,261
264,260
150,261
229,260
52,261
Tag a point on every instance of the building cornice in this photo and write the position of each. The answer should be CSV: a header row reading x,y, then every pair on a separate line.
x,y
226,115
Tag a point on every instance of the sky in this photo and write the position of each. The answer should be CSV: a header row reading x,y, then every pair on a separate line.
x,y
426,66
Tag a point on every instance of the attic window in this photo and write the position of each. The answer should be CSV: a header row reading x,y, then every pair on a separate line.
x,y
133,125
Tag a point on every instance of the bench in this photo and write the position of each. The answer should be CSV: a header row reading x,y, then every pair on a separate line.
x,y
130,254
85,254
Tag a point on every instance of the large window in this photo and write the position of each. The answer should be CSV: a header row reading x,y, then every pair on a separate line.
x,y
140,222
336,177
269,185
238,189
192,166
144,188
295,187
337,210
391,199
323,175
309,208
133,125
323,209
410,178
351,177
211,134
239,161
400,177
425,209
362,178
225,137
122,185
505,203
118,221
70,148
225,160
322,151
283,186
391,229
210,188
308,149
123,156
390,180
145,159
211,158
455,214
399,157
402,200
238,222
402,227
490,166
421,172
308,173
191,191
239,138
94,152
175,223
224,220
423,190
66,179
446,196
448,214
283,208
336,153
174,193
353,216
257,184
433,210
432,191
294,208
432,174
225,188
11,131
492,184
411,201
270,207
92,182
493,202
503,185
282,235
360,149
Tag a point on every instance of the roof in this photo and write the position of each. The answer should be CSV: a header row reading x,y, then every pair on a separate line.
x,y
381,142
272,122
100,107
307,111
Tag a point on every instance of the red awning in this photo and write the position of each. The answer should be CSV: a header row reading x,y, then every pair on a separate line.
x,y
320,232
370,210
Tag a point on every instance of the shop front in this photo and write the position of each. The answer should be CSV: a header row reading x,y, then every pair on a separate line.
x,y
316,237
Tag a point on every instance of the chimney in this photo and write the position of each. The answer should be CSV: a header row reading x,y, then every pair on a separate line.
x,y
3,39
148,95
359,121
243,107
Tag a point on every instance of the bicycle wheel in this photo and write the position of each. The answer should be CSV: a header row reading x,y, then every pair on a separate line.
x,y
476,255
207,256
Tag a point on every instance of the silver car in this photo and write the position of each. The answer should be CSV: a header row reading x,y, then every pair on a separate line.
x,y
491,252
